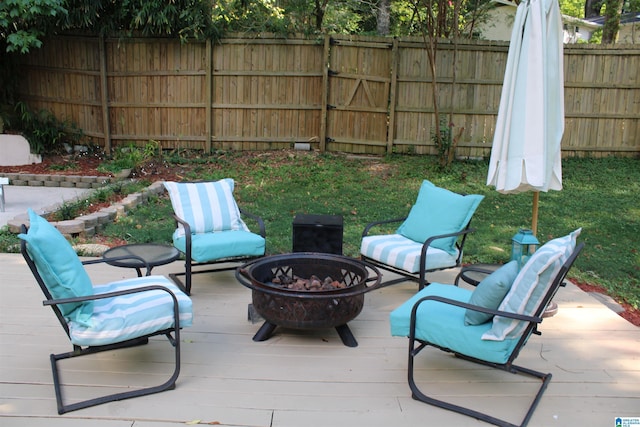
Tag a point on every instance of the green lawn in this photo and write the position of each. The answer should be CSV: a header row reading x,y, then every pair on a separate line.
x,y
600,195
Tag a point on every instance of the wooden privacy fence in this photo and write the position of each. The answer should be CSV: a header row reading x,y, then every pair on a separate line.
x,y
337,93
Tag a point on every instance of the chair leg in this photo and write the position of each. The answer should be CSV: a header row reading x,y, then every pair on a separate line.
x,y
187,276
179,283
167,385
419,395
186,285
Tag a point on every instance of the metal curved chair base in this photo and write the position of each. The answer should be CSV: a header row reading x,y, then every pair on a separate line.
x,y
167,385
417,394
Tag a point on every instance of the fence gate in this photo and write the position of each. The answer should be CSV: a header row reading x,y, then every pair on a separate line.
x,y
359,82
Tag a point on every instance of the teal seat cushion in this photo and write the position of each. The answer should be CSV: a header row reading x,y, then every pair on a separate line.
x,y
443,324
531,285
59,266
403,253
206,206
134,315
490,292
439,211
223,244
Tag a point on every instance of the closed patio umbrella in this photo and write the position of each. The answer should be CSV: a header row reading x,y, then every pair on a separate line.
x,y
525,154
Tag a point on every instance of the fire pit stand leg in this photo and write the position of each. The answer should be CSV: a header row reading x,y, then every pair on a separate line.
x,y
267,328
265,331
346,336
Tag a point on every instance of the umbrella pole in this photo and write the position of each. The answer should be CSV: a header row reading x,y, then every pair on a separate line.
x,y
534,214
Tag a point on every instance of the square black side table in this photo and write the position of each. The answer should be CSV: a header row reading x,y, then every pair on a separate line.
x,y
318,233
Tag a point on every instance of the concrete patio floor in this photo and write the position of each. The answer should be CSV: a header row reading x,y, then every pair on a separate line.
x,y
309,378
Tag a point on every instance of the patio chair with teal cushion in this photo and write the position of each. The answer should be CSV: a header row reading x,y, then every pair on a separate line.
x,y
489,325
210,229
430,238
105,317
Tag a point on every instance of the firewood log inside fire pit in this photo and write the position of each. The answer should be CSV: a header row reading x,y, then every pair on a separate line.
x,y
314,283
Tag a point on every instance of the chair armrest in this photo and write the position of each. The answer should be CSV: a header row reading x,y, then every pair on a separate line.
x,y
183,223
187,227
468,306
377,223
257,219
478,270
187,236
471,269
427,243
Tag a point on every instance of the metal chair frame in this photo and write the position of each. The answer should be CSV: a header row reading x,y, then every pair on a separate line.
x,y
416,346
189,264
421,277
172,334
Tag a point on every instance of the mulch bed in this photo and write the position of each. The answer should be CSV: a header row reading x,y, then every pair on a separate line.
x,y
630,314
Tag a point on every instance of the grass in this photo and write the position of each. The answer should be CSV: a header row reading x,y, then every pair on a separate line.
x,y
599,195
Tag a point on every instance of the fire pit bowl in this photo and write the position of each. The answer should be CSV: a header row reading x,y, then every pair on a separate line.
x,y
307,309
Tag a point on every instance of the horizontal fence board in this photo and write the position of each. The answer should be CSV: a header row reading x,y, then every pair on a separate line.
x,y
267,92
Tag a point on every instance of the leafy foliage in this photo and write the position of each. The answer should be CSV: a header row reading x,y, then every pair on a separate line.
x,y
45,133
184,19
573,8
129,157
23,23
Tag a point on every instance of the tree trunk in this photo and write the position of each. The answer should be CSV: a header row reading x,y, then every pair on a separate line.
x,y
611,21
384,7
319,9
592,8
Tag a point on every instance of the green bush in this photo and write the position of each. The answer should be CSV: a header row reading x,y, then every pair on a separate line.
x,y
45,133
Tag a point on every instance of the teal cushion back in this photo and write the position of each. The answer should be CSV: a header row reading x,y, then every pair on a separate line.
x,y
490,292
531,285
59,266
439,211
206,206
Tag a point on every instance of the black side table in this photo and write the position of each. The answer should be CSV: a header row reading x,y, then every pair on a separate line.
x,y
142,255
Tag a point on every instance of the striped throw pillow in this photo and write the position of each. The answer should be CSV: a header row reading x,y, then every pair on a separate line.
x,y
206,206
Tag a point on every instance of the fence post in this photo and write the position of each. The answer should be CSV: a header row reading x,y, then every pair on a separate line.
x,y
325,92
209,96
391,130
104,101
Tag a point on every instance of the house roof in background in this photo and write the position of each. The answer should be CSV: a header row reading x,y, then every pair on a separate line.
x,y
625,18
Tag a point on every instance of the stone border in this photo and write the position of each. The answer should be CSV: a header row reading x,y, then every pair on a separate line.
x,y
69,181
88,225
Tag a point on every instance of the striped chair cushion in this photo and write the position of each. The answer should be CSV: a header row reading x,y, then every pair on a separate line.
x,y
131,316
403,253
225,244
206,206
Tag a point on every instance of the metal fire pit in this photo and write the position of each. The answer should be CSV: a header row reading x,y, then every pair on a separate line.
x,y
305,309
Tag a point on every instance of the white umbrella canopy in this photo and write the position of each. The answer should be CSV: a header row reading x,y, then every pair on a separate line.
x,y
525,154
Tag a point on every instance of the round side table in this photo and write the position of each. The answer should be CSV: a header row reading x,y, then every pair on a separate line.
x,y
153,254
